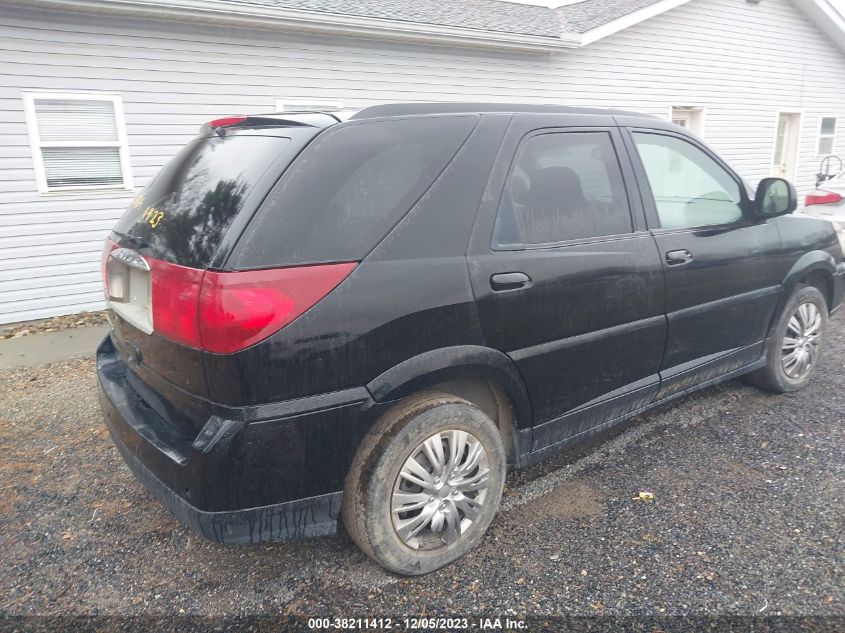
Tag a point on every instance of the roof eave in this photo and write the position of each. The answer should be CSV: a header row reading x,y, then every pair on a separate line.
x,y
275,18
822,13
626,21
825,16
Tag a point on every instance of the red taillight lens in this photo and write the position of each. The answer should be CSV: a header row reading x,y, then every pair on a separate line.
x,y
108,247
175,297
227,121
228,312
240,309
822,197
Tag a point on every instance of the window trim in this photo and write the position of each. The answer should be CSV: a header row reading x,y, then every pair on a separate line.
x,y
330,104
36,145
615,142
652,217
820,136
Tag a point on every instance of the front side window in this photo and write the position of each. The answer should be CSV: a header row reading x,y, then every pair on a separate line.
x,y
563,186
689,187
78,141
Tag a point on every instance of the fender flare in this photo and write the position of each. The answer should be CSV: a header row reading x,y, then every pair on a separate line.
x,y
449,363
808,263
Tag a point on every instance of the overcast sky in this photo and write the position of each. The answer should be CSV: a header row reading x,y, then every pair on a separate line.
x,y
840,5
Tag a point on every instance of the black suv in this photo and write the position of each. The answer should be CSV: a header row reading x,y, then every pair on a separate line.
x,y
369,315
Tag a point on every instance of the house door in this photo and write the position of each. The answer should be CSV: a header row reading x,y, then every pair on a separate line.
x,y
786,145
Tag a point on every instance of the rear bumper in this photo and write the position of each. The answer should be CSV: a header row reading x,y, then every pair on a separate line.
x,y
241,479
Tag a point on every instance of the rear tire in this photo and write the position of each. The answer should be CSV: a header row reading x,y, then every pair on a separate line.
x,y
424,484
796,347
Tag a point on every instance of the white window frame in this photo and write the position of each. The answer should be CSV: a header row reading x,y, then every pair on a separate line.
x,y
697,115
122,142
283,104
820,136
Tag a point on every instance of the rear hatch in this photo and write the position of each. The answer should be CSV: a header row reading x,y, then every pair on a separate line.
x,y
222,251
173,232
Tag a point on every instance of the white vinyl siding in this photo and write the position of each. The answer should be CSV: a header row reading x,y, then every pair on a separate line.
x,y
173,77
78,142
293,105
827,135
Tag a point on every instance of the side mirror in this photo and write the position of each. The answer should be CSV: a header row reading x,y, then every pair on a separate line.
x,y
775,196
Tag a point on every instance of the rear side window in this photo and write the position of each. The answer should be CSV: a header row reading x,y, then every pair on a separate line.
x,y
563,186
348,189
183,213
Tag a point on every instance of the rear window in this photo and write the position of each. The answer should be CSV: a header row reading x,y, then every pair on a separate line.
x,y
183,213
348,189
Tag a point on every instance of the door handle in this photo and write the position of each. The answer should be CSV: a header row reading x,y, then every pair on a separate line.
x,y
509,281
676,258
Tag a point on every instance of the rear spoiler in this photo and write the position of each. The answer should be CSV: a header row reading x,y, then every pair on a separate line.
x,y
287,119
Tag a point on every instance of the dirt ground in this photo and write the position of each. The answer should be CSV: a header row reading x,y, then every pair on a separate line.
x,y
747,521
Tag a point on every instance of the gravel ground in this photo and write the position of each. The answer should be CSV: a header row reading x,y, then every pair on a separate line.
x,y
748,518
53,324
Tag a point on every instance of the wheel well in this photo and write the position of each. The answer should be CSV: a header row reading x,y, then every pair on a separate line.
x,y
823,282
490,398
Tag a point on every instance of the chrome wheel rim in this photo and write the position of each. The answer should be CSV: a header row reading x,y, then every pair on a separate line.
x,y
800,348
440,490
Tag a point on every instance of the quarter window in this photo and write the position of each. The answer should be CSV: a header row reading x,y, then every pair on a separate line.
x,y
827,134
689,188
78,141
563,186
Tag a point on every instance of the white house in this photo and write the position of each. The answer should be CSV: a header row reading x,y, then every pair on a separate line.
x,y
97,94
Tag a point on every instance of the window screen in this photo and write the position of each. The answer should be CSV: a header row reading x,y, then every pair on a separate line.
x,y
79,142
563,186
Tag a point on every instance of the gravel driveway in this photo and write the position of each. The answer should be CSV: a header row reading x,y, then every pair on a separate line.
x,y
748,518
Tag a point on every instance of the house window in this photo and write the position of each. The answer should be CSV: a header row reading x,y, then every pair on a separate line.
x,y
78,141
690,117
298,105
827,133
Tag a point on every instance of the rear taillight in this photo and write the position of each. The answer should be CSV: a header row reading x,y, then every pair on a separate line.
x,y
175,299
822,197
108,247
228,312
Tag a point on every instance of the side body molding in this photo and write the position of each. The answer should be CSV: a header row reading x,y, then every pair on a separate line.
x,y
450,363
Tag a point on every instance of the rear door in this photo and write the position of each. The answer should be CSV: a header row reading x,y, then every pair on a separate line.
x,y
567,280
721,266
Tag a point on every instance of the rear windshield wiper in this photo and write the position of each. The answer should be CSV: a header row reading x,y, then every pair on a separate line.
x,y
136,241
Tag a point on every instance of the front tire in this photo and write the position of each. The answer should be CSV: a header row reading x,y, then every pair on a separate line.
x,y
795,349
425,483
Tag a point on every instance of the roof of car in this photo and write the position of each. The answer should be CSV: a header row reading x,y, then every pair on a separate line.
x,y
410,109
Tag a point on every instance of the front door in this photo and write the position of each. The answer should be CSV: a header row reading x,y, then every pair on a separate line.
x,y
567,280
721,286
786,145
